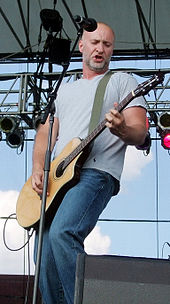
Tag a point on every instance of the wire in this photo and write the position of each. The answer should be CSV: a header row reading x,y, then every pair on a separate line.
x,y
165,243
28,280
4,236
26,297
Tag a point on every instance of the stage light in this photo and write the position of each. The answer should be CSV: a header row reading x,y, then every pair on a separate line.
x,y
164,129
9,123
51,20
58,48
165,139
15,139
164,121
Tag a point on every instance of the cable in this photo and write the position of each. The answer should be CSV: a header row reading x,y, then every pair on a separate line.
x,y
165,243
28,280
26,298
4,236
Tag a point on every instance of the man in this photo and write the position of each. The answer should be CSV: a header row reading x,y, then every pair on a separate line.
x,y
100,174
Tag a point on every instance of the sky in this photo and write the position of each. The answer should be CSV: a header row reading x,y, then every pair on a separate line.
x,y
127,227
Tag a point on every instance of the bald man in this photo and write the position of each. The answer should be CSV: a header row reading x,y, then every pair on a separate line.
x,y
100,174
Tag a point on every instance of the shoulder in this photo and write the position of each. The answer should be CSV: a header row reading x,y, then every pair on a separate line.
x,y
123,80
122,76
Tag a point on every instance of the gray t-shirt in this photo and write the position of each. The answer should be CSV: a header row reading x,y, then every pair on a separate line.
x,y
73,109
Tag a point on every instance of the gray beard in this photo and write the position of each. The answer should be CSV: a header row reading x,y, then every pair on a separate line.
x,y
97,67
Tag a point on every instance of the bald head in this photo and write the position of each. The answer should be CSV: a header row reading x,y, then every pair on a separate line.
x,y
97,48
101,27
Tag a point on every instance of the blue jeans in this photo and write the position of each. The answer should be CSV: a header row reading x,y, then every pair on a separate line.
x,y
64,238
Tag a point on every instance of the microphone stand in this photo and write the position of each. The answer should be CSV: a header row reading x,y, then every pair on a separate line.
x,y
49,110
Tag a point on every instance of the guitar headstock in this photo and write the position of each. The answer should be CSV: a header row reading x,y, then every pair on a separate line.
x,y
146,86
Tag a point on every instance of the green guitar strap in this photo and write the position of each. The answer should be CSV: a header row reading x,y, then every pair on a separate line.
x,y
96,111
98,101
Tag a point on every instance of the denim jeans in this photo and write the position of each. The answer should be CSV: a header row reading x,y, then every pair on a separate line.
x,y
64,238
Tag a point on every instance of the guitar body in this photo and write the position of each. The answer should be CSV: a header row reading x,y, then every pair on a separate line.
x,y
28,207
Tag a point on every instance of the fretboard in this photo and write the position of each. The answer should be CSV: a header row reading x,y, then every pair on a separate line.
x,y
100,127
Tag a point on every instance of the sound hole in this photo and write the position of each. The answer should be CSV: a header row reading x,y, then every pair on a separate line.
x,y
60,170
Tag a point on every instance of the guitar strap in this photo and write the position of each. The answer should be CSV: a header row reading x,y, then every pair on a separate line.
x,y
96,111
98,101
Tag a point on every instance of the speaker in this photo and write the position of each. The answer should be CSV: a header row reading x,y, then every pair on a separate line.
x,y
121,280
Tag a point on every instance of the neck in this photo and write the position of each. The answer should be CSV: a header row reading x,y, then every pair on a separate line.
x,y
89,74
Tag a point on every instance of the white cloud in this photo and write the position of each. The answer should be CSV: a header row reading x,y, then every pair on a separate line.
x,y
135,161
11,262
97,243
8,201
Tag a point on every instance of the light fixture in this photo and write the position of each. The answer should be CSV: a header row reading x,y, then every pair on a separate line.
x,y
51,20
165,139
9,123
164,121
15,139
164,129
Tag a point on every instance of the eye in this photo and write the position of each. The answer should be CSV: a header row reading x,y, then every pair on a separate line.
x,y
107,44
94,42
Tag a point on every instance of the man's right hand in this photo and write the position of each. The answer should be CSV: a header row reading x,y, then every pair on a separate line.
x,y
37,181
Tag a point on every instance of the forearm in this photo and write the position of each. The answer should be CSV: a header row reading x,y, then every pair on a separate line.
x,y
41,143
133,135
39,150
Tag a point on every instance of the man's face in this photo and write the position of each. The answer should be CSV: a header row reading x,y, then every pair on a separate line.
x,y
97,48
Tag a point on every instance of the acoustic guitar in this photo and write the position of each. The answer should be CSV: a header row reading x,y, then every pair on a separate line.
x,y
64,171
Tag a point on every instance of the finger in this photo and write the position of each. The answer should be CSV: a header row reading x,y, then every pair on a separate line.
x,y
36,188
114,113
116,105
37,183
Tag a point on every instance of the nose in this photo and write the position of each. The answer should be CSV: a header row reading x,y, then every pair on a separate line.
x,y
100,47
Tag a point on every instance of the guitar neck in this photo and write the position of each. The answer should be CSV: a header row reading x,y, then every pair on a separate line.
x,y
99,129
126,101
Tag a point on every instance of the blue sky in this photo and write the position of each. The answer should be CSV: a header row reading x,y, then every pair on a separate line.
x,y
144,196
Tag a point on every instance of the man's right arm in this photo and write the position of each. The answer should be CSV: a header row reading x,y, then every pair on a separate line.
x,y
39,151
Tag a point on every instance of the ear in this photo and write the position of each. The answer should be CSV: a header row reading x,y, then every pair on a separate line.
x,y
81,46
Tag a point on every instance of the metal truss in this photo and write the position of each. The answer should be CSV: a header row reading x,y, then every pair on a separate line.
x,y
25,95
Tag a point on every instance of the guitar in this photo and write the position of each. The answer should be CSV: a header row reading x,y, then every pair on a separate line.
x,y
64,171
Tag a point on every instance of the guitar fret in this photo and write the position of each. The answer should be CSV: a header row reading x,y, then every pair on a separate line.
x,y
125,101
